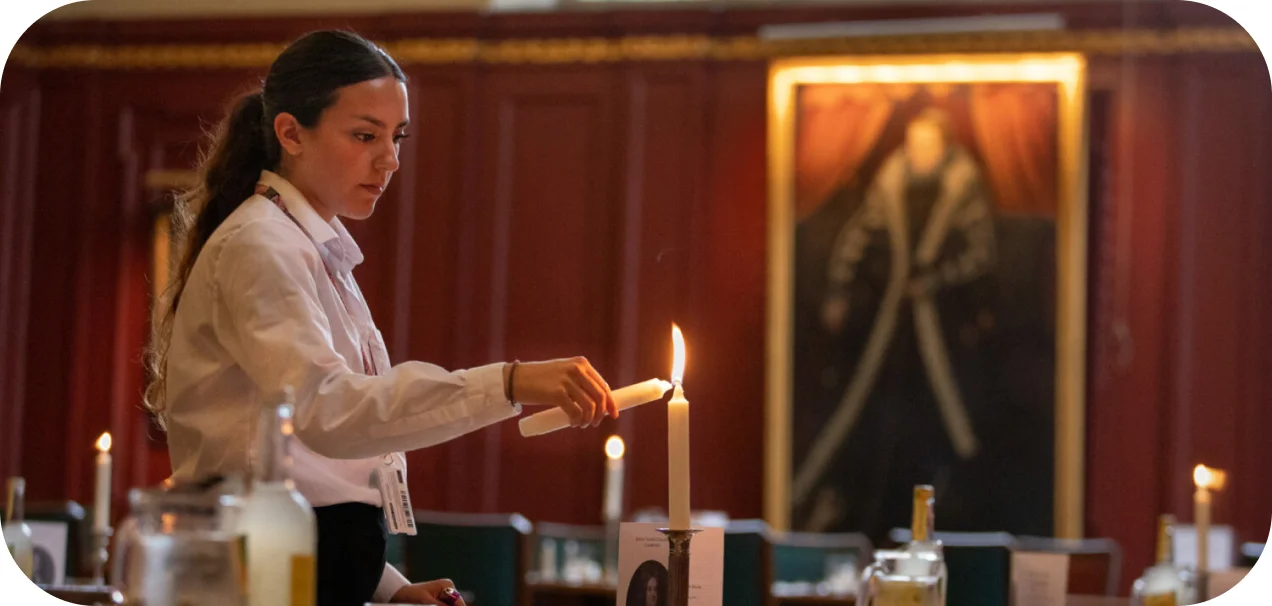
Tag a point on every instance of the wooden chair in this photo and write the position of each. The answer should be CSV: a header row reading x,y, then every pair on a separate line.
x,y
748,563
557,587
805,557
395,553
1250,553
979,565
1095,565
484,554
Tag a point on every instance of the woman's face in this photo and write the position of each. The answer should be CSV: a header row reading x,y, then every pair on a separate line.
x,y
925,146
344,162
651,592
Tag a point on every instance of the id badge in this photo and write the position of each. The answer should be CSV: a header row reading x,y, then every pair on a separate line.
x,y
379,353
391,476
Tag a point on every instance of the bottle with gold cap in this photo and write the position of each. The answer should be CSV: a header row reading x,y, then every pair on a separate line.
x,y
914,575
17,535
277,522
1164,583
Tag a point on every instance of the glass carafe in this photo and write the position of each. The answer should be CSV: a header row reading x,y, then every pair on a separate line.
x,y
182,546
905,577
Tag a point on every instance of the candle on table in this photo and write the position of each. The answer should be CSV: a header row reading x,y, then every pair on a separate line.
x,y
614,449
101,500
678,439
1206,479
553,419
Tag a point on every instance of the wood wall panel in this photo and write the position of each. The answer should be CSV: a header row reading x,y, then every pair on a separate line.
x,y
725,296
53,326
442,116
1173,382
1125,486
20,105
550,230
1223,185
665,127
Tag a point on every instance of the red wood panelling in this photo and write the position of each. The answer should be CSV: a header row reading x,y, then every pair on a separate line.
x,y
548,269
580,209
19,147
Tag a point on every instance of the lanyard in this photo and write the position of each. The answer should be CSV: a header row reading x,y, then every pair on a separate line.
x,y
368,360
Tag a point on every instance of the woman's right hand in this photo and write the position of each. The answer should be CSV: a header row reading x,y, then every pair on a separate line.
x,y
570,384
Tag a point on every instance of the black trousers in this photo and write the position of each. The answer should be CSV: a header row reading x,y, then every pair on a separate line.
x,y
351,540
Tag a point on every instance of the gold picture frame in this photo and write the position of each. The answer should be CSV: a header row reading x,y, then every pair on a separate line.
x,y
1067,71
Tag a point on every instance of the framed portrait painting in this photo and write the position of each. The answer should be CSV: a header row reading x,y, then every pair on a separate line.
x,y
926,304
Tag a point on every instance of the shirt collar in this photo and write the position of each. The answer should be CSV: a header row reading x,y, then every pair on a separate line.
x,y
299,207
331,237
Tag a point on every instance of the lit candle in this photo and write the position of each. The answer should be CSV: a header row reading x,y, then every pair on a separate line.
x,y
614,450
1206,479
553,419
678,439
101,502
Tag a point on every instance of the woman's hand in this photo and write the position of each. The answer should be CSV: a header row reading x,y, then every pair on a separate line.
x,y
569,384
433,592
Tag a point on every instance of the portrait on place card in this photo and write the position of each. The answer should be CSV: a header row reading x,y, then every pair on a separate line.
x,y
925,215
648,585
50,539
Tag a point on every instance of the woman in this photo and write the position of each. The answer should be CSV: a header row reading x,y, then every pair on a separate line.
x,y
264,298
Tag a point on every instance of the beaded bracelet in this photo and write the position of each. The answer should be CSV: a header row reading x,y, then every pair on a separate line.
x,y
512,373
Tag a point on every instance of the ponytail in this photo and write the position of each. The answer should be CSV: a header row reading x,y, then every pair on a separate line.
x,y
239,149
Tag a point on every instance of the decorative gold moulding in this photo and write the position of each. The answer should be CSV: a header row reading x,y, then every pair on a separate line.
x,y
650,48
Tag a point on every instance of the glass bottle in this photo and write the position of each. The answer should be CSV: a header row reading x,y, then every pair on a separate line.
x,y
17,535
1164,583
277,522
915,574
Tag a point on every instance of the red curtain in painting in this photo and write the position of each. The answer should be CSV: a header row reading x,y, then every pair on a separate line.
x,y
1015,126
837,126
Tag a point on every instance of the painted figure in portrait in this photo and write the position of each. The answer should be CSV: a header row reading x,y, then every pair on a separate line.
x,y
924,339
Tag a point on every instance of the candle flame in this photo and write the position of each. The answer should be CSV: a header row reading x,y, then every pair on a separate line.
x,y
1209,478
103,442
614,447
678,355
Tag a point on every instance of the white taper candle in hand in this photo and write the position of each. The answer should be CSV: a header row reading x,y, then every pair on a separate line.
x,y
553,419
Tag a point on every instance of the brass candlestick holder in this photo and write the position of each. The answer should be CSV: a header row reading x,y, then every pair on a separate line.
x,y
101,554
678,564
611,552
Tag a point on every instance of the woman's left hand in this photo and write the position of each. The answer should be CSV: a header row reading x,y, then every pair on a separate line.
x,y
432,592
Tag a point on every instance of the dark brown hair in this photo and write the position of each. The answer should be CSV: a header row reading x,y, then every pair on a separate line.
x,y
302,81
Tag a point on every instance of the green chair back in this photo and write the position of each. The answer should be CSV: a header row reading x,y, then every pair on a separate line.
x,y
484,554
589,541
747,563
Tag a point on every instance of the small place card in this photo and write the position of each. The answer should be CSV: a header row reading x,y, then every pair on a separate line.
x,y
49,539
1039,579
642,566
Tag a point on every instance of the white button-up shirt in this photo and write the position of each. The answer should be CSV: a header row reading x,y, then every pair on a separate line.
x,y
261,311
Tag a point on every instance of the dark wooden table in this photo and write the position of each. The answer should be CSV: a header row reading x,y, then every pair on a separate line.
x,y
567,594
812,600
